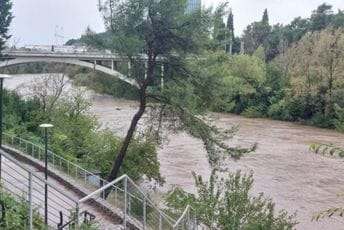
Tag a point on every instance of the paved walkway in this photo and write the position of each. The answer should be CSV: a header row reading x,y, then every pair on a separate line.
x,y
60,198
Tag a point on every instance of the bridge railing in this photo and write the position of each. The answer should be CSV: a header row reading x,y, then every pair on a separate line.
x,y
59,53
88,54
133,205
28,186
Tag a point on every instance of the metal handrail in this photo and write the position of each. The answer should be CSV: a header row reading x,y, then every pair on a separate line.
x,y
89,196
183,216
106,184
55,156
30,189
17,163
112,184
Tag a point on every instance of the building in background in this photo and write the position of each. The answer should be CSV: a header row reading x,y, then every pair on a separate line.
x,y
193,5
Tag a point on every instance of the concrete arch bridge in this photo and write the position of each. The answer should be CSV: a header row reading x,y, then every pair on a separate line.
x,y
103,62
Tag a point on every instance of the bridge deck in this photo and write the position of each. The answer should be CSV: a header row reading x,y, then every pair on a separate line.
x,y
75,55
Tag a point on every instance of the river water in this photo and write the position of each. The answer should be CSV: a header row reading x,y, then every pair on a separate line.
x,y
284,169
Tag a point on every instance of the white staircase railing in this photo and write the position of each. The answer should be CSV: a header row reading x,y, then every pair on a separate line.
x,y
125,199
26,185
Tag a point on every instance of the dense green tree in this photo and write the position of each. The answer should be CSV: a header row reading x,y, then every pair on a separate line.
x,y
265,18
233,42
314,66
14,213
220,35
321,17
227,203
230,24
273,42
237,82
295,30
256,34
5,21
338,19
161,29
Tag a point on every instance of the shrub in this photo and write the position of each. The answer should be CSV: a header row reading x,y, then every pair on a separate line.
x,y
227,204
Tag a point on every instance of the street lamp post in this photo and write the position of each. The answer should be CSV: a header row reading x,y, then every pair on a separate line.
x,y
46,126
2,77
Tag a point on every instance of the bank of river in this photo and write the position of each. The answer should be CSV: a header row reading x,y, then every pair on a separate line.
x,y
283,167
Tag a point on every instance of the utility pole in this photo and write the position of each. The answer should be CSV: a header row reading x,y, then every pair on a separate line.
x,y
226,41
59,36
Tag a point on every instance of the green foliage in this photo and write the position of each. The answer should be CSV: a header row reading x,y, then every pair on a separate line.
x,y
253,112
106,84
339,118
230,24
313,67
5,21
77,137
328,213
17,112
321,17
227,204
244,85
219,28
265,18
326,149
15,213
141,157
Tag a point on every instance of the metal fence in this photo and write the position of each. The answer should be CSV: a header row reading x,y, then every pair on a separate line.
x,y
136,209
125,197
28,186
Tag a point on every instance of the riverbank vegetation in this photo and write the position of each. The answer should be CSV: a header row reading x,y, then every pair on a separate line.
x,y
235,207
290,72
14,213
76,135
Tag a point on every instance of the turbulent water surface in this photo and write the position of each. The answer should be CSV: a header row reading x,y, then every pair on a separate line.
x,y
283,167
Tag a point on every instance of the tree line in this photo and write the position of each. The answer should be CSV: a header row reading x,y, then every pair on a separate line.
x,y
288,72
292,72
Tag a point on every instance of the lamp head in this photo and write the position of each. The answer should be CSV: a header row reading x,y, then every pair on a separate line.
x,y
46,126
3,76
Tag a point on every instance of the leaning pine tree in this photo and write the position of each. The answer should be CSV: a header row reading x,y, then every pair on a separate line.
x,y
155,32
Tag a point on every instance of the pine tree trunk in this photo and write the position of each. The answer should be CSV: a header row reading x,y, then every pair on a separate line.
x,y
133,125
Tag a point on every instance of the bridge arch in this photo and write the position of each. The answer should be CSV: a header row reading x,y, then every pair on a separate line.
x,y
22,60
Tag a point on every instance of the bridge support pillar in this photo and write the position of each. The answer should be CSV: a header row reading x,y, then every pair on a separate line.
x,y
96,62
114,65
129,68
146,66
162,77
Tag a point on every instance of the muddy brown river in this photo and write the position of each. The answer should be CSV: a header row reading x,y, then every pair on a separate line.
x,y
283,167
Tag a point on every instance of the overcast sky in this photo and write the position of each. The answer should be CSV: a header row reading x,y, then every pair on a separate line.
x,y
37,21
